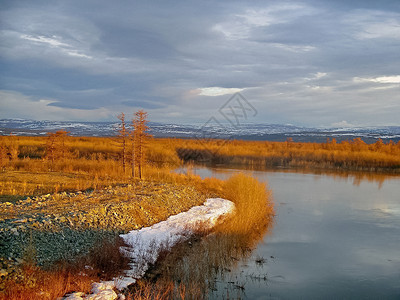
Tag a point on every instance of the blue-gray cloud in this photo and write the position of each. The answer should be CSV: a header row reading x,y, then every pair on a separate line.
x,y
303,62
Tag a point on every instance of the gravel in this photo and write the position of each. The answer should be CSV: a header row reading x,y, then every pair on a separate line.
x,y
61,226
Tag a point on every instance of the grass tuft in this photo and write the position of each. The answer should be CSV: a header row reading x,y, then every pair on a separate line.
x,y
253,201
32,282
206,255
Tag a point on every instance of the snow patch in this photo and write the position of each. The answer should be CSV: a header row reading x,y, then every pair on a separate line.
x,y
100,291
144,245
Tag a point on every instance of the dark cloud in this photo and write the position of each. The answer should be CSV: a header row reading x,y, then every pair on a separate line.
x,y
304,62
144,104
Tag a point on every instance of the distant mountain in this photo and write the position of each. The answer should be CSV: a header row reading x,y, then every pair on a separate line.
x,y
268,132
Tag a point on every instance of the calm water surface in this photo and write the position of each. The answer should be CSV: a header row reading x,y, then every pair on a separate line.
x,y
334,238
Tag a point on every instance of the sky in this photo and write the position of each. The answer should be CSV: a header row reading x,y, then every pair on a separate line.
x,y
310,63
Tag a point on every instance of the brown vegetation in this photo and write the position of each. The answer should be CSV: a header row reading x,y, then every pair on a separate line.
x,y
68,277
139,204
123,139
33,282
164,289
99,159
58,162
55,146
193,265
139,142
29,168
347,155
87,163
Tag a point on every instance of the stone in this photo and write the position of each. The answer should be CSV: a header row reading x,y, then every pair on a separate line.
x,y
101,286
74,296
103,295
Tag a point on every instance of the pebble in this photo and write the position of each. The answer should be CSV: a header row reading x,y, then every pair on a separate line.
x,y
64,225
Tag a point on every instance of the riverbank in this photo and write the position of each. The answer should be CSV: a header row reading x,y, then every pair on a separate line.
x,y
44,232
191,269
72,239
145,245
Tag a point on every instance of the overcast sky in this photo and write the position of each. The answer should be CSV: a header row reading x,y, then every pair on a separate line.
x,y
311,63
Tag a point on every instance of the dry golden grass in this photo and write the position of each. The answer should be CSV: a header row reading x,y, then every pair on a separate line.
x,y
94,163
231,239
353,155
202,258
253,203
66,277
164,289
38,284
36,183
101,157
103,262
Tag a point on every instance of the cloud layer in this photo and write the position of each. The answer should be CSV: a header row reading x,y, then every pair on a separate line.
x,y
312,63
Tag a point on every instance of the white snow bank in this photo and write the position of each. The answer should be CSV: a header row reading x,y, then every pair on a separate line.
x,y
100,291
144,245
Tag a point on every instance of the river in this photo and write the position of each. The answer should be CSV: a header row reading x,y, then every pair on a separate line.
x,y
335,236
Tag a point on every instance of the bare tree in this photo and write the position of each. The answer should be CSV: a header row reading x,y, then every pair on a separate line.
x,y
132,149
55,145
140,137
3,156
9,150
123,135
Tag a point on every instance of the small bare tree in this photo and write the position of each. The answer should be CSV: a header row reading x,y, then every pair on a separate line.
x,y
123,137
55,145
132,150
140,137
9,150
3,156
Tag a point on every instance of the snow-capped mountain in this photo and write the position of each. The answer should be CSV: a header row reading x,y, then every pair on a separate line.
x,y
270,132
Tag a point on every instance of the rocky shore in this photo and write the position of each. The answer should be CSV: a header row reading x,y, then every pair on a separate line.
x,y
61,226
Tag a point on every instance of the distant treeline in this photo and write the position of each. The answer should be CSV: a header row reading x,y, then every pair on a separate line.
x,y
106,156
347,155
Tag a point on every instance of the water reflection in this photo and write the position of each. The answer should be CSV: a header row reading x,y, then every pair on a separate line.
x,y
351,176
207,262
335,236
